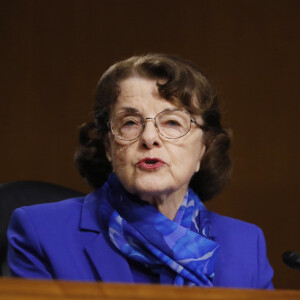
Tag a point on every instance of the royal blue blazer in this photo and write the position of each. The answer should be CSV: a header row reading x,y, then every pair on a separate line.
x,y
64,240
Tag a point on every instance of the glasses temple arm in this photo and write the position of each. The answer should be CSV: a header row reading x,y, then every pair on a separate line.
x,y
203,127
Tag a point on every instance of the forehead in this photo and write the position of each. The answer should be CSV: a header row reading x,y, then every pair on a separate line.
x,y
138,86
141,94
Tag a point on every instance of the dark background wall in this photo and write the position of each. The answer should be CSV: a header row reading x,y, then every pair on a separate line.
x,y
53,52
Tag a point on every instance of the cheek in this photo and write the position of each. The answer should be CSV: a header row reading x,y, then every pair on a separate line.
x,y
187,156
119,157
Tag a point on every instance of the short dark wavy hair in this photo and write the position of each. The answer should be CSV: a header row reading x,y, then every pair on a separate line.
x,y
184,85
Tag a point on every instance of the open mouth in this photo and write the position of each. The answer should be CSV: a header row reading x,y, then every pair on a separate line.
x,y
150,163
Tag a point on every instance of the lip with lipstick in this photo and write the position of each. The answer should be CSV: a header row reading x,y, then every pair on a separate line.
x,y
149,163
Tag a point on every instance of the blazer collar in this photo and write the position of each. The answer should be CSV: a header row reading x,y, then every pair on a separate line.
x,y
107,260
90,216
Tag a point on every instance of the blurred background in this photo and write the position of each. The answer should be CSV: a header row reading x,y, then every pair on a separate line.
x,y
52,53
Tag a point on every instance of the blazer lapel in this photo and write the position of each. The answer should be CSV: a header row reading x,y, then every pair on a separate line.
x,y
109,263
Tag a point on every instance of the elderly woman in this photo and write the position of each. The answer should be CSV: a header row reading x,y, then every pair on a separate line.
x,y
154,152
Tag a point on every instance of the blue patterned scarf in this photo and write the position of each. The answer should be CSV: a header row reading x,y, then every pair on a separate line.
x,y
178,250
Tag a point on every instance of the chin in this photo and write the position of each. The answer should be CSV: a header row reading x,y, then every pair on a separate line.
x,y
151,187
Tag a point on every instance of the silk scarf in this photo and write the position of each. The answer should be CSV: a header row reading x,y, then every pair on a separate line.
x,y
179,250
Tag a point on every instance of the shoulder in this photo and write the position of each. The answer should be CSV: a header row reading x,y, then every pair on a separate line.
x,y
46,240
55,207
223,225
49,214
46,225
242,259
234,235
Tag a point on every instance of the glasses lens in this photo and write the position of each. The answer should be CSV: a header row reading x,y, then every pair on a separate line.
x,y
127,125
173,123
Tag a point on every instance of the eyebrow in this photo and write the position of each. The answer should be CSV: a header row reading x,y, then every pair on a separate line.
x,y
127,109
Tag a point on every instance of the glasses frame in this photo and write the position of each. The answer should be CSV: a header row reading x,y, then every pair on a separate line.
x,y
192,121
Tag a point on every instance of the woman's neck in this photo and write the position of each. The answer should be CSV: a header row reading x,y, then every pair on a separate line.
x,y
167,203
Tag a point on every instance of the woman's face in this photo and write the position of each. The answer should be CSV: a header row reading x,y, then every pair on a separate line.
x,y
151,165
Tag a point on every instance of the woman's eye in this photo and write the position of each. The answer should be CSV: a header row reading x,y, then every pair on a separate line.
x,y
130,123
173,123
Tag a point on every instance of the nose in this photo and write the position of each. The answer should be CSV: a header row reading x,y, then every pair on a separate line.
x,y
150,137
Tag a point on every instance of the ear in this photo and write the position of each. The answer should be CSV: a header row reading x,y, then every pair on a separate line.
x,y
107,145
202,151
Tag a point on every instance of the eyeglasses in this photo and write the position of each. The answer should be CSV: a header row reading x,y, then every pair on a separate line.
x,y
170,123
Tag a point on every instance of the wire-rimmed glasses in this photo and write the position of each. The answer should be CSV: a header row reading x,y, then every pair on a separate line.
x,y
170,123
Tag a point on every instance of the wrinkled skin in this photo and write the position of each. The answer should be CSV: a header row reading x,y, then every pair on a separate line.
x,y
165,186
